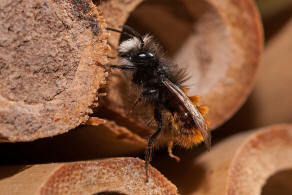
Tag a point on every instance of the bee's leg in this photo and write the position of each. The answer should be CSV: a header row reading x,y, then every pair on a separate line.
x,y
170,145
121,67
148,154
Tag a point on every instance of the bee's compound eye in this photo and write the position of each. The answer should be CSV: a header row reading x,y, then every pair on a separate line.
x,y
142,55
146,55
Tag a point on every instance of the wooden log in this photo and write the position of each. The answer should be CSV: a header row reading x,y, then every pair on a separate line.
x,y
49,52
114,175
243,163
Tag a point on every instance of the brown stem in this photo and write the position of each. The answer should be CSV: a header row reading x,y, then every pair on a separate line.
x,y
243,163
49,73
119,175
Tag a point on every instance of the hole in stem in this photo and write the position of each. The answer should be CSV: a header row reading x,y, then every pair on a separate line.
x,y
279,183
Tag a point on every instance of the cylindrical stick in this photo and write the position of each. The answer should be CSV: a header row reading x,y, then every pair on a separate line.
x,y
119,175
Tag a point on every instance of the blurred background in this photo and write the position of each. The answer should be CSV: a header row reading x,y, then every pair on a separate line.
x,y
269,103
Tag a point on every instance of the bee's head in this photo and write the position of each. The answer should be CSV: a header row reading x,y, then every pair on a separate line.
x,y
136,51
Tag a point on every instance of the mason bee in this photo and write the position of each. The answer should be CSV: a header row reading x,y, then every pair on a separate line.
x,y
162,86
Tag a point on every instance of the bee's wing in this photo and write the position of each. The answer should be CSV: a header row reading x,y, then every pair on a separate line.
x,y
193,110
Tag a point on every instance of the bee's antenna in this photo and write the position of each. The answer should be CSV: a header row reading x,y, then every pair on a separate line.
x,y
132,31
122,32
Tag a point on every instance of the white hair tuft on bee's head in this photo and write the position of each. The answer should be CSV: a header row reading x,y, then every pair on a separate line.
x,y
147,39
130,44
134,43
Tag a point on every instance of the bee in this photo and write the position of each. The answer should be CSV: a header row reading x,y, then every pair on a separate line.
x,y
162,86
